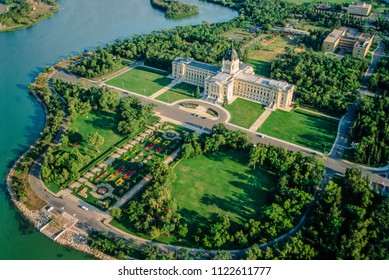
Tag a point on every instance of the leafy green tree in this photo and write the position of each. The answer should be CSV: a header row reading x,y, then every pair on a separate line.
x,y
116,213
95,140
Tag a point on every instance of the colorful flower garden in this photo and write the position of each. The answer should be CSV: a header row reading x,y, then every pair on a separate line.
x,y
128,170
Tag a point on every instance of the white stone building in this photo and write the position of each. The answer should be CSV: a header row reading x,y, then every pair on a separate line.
x,y
233,79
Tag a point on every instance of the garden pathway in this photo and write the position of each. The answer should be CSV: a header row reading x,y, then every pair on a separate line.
x,y
143,183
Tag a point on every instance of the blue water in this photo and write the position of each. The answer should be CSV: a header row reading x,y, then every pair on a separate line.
x,y
79,25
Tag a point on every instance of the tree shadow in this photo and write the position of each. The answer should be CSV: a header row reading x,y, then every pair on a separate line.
x,y
162,81
104,121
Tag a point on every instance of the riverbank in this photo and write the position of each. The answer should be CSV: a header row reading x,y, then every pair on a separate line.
x,y
40,11
39,218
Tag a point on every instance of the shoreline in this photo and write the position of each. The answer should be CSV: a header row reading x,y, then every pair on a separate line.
x,y
24,26
37,217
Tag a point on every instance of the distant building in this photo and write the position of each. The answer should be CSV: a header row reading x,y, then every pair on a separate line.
x,y
360,9
324,8
348,38
254,29
234,78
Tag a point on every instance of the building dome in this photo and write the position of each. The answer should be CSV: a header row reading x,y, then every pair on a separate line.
x,y
231,54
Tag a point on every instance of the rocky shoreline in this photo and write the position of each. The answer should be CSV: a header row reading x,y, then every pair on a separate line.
x,y
39,218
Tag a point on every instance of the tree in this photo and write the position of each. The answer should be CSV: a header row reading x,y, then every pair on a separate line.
x,y
150,252
95,140
116,213
197,92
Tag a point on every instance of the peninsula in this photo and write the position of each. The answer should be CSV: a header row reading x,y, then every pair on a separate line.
x,y
16,15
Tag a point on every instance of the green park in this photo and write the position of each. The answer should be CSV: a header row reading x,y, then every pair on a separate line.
x,y
141,80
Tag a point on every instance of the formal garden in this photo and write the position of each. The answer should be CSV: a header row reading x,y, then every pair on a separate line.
x,y
123,173
141,80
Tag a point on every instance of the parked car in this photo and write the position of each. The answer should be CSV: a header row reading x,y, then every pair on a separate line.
x,y
84,208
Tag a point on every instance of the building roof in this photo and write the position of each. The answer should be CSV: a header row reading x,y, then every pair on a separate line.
x,y
360,4
260,80
334,35
231,54
221,77
197,64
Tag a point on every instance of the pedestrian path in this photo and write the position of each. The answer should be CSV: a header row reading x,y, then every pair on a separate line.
x,y
165,89
262,118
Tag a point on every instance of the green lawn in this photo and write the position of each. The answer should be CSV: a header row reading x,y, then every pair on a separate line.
x,y
237,191
105,123
244,113
220,183
260,67
178,92
261,59
140,80
302,128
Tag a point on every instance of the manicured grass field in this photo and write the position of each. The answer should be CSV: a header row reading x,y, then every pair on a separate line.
x,y
140,80
261,59
220,183
302,128
178,92
244,113
105,123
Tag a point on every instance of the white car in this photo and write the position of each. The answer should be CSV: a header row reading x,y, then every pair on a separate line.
x,y
85,208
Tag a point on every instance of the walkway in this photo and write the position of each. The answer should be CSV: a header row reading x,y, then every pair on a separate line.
x,y
262,118
165,89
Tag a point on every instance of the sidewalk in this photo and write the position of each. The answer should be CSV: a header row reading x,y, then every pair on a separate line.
x,y
165,89
262,118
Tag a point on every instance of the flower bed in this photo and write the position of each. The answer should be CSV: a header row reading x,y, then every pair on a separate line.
x,y
102,190
100,176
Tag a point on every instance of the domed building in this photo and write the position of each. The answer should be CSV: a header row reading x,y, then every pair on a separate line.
x,y
233,79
